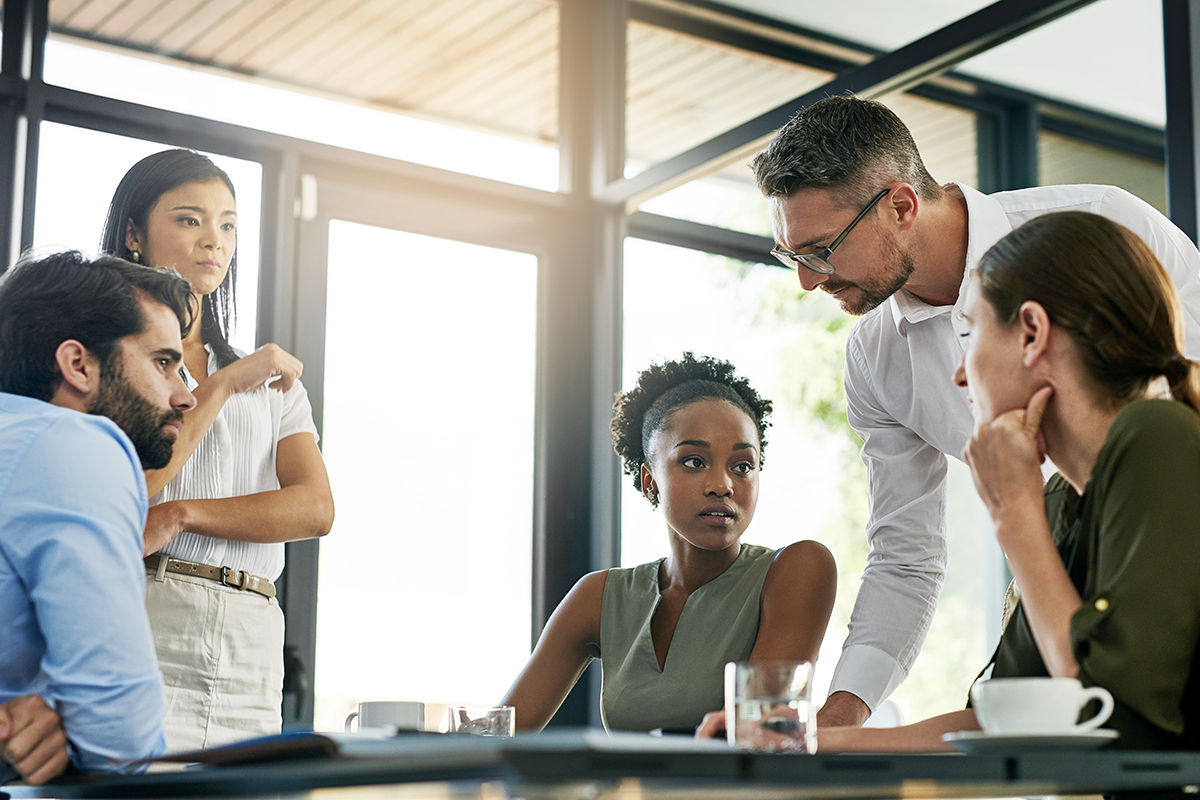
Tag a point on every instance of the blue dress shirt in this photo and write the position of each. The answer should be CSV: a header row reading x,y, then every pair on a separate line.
x,y
72,583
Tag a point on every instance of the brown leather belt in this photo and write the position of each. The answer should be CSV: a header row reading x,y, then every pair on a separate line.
x,y
226,576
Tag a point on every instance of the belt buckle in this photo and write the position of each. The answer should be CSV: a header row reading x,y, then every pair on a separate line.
x,y
225,573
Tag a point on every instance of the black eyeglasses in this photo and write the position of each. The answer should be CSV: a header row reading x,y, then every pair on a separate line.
x,y
819,261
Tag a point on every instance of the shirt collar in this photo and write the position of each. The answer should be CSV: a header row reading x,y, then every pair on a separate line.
x,y
986,224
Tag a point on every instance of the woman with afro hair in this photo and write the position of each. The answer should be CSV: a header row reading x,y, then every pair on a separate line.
x,y
691,433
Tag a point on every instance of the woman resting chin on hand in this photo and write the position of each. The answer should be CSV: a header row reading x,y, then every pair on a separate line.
x,y
1072,322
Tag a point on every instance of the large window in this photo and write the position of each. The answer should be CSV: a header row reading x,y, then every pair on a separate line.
x,y
429,380
369,128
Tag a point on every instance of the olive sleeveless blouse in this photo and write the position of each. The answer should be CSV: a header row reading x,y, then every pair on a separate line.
x,y
719,623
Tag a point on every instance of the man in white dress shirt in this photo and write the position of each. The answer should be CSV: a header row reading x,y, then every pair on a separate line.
x,y
858,216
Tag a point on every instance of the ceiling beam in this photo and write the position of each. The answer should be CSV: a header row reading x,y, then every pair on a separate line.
x,y
901,69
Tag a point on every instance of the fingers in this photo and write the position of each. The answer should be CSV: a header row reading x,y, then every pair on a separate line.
x,y
284,383
35,743
285,368
47,760
1037,407
712,725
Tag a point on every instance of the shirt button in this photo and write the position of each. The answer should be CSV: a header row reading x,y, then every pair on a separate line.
x,y
1102,604
959,315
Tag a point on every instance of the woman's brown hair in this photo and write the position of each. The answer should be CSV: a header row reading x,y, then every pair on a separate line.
x,y
1103,285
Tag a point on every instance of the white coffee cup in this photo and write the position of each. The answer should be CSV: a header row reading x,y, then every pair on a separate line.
x,y
1037,706
401,715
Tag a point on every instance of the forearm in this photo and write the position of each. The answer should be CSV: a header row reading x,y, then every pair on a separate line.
x,y
537,696
1047,593
283,515
843,710
920,737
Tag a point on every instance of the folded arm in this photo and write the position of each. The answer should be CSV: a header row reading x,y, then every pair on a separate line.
x,y
302,508
89,597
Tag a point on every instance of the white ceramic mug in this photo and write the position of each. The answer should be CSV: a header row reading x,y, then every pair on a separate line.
x,y
402,715
1037,706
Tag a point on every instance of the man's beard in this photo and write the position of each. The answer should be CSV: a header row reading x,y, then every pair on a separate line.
x,y
872,292
142,422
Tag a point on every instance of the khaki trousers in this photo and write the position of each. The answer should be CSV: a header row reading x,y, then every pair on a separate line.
x,y
221,654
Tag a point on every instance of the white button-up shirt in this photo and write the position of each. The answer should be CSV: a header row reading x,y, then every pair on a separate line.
x,y
237,457
902,401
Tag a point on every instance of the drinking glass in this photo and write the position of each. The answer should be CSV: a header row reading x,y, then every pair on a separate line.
x,y
768,706
482,720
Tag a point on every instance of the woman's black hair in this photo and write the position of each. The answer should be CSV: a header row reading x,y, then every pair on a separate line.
x,y
647,408
145,182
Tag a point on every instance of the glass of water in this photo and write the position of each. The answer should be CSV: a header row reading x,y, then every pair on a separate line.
x,y
768,706
482,720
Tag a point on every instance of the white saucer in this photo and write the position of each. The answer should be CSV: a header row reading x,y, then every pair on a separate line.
x,y
976,742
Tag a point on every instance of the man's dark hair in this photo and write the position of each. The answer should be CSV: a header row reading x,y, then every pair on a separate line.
x,y
46,301
134,199
854,147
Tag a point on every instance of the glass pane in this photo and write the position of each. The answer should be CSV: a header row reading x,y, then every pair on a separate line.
x,y
726,199
403,80
1075,58
790,345
428,437
1071,58
78,171
681,91
1063,159
883,25
945,135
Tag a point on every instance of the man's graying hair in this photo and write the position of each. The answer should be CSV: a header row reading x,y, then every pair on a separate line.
x,y
851,146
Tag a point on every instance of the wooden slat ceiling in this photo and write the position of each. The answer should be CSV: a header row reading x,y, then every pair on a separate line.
x,y
487,64
481,63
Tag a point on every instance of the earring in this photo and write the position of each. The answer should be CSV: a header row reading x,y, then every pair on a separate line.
x,y
135,256
653,495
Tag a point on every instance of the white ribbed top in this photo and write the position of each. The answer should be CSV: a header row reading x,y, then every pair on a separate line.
x,y
237,457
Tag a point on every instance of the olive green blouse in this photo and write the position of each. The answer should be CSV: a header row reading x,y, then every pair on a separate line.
x,y
1131,544
719,623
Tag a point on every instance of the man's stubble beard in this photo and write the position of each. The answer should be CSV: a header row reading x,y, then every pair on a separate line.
x,y
873,292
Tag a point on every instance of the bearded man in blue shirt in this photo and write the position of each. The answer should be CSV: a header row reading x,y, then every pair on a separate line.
x,y
90,396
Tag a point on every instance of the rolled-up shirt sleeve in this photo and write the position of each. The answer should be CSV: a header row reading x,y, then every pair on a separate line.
x,y
907,539
76,510
1139,626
